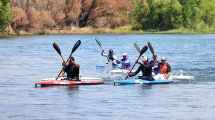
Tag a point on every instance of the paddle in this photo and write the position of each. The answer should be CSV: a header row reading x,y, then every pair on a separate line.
x,y
137,47
151,49
143,50
57,48
77,44
99,44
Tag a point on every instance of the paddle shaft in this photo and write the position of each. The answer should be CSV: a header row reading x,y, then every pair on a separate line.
x,y
137,47
151,49
135,63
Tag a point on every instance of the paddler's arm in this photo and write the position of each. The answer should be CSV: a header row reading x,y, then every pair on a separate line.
x,y
134,73
103,54
65,66
64,69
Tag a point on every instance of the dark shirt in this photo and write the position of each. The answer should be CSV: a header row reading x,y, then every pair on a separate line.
x,y
72,71
155,67
146,70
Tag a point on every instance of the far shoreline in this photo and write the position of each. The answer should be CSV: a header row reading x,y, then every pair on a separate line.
x,y
97,31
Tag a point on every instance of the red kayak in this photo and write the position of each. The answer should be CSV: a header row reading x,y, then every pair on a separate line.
x,y
84,81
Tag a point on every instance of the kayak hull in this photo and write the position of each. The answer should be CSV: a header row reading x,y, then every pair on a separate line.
x,y
122,73
63,82
140,81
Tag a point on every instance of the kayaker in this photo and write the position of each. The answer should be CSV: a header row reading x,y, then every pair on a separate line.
x,y
164,67
72,69
125,63
111,58
146,68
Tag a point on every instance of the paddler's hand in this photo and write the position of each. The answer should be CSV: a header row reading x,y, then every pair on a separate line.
x,y
102,53
129,74
127,77
63,63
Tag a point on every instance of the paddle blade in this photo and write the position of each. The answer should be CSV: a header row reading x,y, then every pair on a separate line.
x,y
151,48
143,50
137,47
57,48
77,44
99,43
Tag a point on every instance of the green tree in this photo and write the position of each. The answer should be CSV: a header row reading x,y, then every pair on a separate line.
x,y
198,15
208,12
5,14
191,13
157,14
140,10
164,14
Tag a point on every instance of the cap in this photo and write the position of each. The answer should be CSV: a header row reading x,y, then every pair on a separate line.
x,y
163,58
124,54
114,57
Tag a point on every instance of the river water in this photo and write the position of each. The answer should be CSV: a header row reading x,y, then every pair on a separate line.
x,y
24,60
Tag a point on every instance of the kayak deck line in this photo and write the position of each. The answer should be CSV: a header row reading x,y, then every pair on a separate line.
x,y
140,81
64,82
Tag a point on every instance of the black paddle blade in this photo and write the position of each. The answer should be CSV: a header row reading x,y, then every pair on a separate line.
x,y
77,44
143,50
137,47
57,48
151,48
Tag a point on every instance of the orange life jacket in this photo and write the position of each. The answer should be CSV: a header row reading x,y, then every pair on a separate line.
x,y
164,69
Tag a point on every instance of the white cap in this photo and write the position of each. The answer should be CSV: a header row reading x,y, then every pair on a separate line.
x,y
115,57
125,54
163,58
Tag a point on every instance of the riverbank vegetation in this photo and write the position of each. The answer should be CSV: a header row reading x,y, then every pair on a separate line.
x,y
162,15
27,17
5,14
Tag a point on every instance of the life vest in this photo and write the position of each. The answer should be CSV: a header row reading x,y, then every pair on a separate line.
x,y
164,69
125,64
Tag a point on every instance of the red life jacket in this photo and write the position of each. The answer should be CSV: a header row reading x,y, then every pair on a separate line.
x,y
164,69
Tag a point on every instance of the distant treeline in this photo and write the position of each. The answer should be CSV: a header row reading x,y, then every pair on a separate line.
x,y
146,15
157,15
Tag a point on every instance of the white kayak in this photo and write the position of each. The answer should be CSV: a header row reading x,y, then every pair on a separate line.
x,y
119,72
